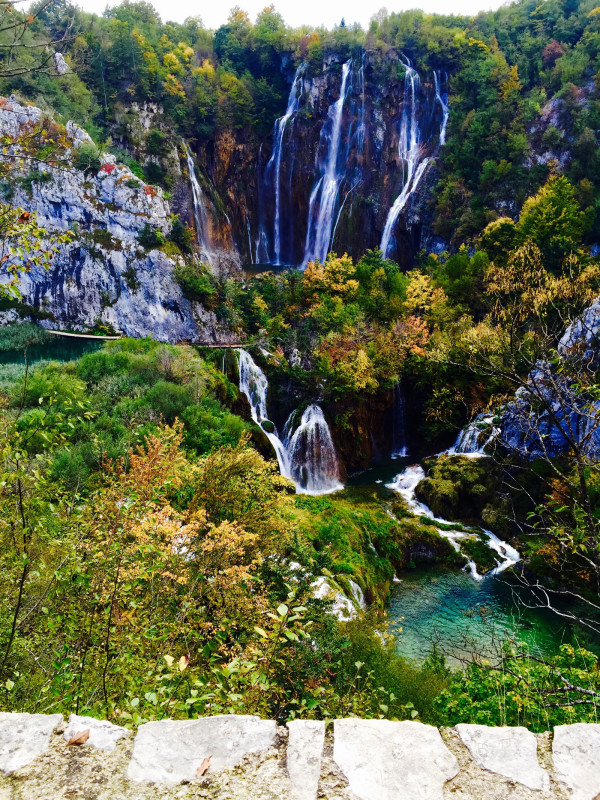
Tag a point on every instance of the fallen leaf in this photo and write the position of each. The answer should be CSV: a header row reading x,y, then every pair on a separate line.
x,y
203,768
79,738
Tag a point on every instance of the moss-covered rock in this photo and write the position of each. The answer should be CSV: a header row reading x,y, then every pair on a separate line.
x,y
461,488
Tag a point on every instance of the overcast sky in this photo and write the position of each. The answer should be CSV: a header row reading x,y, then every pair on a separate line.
x,y
296,12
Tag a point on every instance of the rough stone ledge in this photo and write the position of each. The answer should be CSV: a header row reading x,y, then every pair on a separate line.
x,y
254,759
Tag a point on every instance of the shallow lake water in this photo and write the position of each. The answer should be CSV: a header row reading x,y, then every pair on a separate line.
x,y
466,616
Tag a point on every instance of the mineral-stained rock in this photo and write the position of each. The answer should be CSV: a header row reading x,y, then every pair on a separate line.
x,y
576,756
24,737
171,751
511,752
385,760
304,754
103,734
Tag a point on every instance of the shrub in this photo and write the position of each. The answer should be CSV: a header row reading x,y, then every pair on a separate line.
x,y
87,158
151,238
196,283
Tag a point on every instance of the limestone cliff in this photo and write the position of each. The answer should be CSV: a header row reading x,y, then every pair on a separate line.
x,y
104,277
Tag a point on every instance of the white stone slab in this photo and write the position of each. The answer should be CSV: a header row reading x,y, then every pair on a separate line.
x,y
170,751
385,760
304,755
103,734
576,755
511,752
24,737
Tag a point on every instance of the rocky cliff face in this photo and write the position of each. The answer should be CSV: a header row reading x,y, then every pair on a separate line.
x,y
341,180
104,277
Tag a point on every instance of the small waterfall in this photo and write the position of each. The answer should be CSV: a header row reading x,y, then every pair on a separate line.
x,y
254,384
399,446
442,99
324,196
274,165
410,148
311,453
406,485
362,124
474,438
200,213
307,454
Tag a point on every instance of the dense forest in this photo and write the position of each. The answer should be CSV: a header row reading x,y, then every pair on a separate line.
x,y
221,511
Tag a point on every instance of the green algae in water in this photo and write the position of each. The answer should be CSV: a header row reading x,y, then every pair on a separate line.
x,y
466,617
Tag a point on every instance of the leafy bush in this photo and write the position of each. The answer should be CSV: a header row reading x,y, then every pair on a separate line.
x,y
87,158
151,238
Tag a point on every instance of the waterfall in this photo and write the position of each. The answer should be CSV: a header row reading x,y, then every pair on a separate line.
x,y
324,196
474,438
307,454
362,125
311,454
406,485
200,213
399,446
274,165
439,96
410,148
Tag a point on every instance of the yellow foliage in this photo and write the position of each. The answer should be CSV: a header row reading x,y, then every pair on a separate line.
x,y
173,87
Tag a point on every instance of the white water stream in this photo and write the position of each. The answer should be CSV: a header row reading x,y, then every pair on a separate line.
x,y
406,484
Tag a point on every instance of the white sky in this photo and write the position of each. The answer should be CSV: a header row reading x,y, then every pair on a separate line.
x,y
296,13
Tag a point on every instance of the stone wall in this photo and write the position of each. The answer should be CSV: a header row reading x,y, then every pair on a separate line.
x,y
246,758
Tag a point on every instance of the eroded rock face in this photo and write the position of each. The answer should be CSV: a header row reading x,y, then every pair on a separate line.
x,y
385,760
172,751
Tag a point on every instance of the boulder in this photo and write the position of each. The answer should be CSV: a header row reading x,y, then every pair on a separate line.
x,y
24,737
103,734
170,751
511,752
304,756
576,756
385,760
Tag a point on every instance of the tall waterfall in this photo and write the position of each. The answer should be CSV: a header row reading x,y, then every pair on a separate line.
x,y
274,165
324,196
306,454
442,99
410,149
200,212
399,446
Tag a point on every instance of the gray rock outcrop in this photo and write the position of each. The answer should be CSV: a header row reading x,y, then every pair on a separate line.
x,y
104,276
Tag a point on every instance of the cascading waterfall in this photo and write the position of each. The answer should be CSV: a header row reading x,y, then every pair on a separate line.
x,y
254,384
311,453
399,446
410,149
406,485
306,455
274,165
324,196
200,212
475,437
